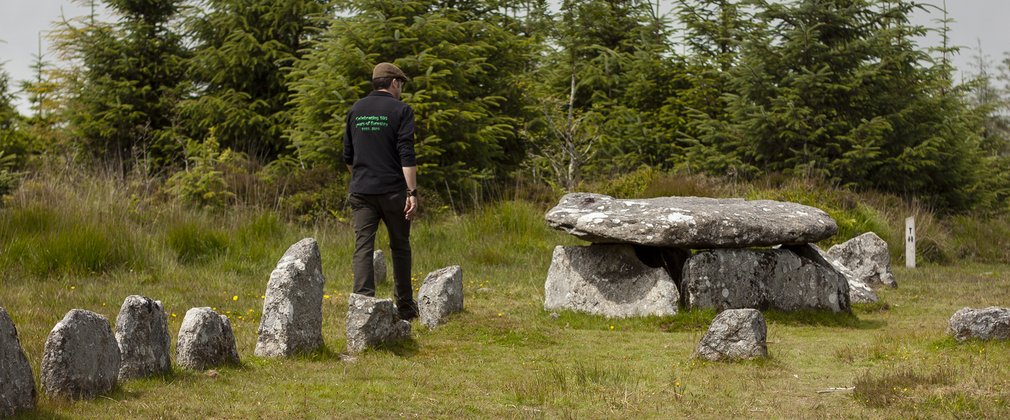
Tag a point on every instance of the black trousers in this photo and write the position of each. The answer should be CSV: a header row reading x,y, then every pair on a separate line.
x,y
366,211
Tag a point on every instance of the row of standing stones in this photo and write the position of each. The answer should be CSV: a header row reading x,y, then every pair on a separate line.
x,y
655,256
83,358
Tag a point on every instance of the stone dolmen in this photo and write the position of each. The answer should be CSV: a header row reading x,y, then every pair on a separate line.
x,y
641,262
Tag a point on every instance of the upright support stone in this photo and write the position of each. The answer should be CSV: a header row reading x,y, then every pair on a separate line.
x,y
17,383
859,292
205,340
776,278
867,257
371,322
735,334
608,280
379,266
81,357
144,342
292,319
441,294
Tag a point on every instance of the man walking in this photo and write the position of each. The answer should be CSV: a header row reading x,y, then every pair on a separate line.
x,y
379,152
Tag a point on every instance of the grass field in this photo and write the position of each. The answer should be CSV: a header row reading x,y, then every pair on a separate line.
x,y
504,356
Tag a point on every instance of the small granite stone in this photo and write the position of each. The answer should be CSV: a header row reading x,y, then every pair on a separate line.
x,y
992,323
371,322
205,340
735,334
440,295
144,342
17,383
81,357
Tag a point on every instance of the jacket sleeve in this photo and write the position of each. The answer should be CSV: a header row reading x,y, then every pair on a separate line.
x,y
405,138
348,143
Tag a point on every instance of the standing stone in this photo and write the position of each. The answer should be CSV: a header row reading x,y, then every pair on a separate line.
x,y
735,334
776,278
609,280
867,257
292,319
142,334
81,357
992,323
689,222
379,266
205,340
371,322
859,292
440,295
17,383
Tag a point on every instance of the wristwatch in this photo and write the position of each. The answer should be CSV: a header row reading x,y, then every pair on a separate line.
x,y
412,193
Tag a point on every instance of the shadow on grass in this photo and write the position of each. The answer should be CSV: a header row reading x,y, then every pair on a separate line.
x,y
683,321
405,348
821,319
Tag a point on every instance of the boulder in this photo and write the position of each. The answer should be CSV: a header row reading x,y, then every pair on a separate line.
x,y
379,266
205,340
372,321
867,257
81,357
859,292
776,278
441,294
735,334
609,280
142,334
17,383
689,222
292,320
992,323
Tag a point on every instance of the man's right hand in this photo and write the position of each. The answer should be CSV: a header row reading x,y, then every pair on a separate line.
x,y
410,208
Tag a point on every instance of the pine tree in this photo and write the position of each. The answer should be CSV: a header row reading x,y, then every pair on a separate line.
x,y
243,53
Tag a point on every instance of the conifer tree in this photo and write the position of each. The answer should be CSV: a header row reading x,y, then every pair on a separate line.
x,y
127,81
243,52
837,89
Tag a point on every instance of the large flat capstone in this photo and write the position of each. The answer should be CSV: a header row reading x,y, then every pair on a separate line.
x,y
689,222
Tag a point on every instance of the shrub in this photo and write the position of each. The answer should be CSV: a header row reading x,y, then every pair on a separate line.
x,y
202,184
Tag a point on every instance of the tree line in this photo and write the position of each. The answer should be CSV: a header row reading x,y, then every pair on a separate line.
x,y
837,90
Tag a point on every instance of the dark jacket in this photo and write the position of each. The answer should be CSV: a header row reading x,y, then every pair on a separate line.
x,y
379,143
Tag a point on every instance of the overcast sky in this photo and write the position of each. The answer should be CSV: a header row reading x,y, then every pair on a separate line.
x,y
21,21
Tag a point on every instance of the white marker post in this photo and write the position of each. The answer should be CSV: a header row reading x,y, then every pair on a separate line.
x,y
910,242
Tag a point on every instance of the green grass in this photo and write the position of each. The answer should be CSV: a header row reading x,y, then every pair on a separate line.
x,y
504,356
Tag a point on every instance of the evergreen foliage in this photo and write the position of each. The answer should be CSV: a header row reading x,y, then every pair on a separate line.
x,y
604,99
240,61
13,143
464,62
128,80
838,89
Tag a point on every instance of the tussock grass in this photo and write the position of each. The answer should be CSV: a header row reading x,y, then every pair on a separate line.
x,y
504,356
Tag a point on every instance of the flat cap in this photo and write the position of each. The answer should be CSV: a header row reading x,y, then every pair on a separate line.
x,y
388,70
